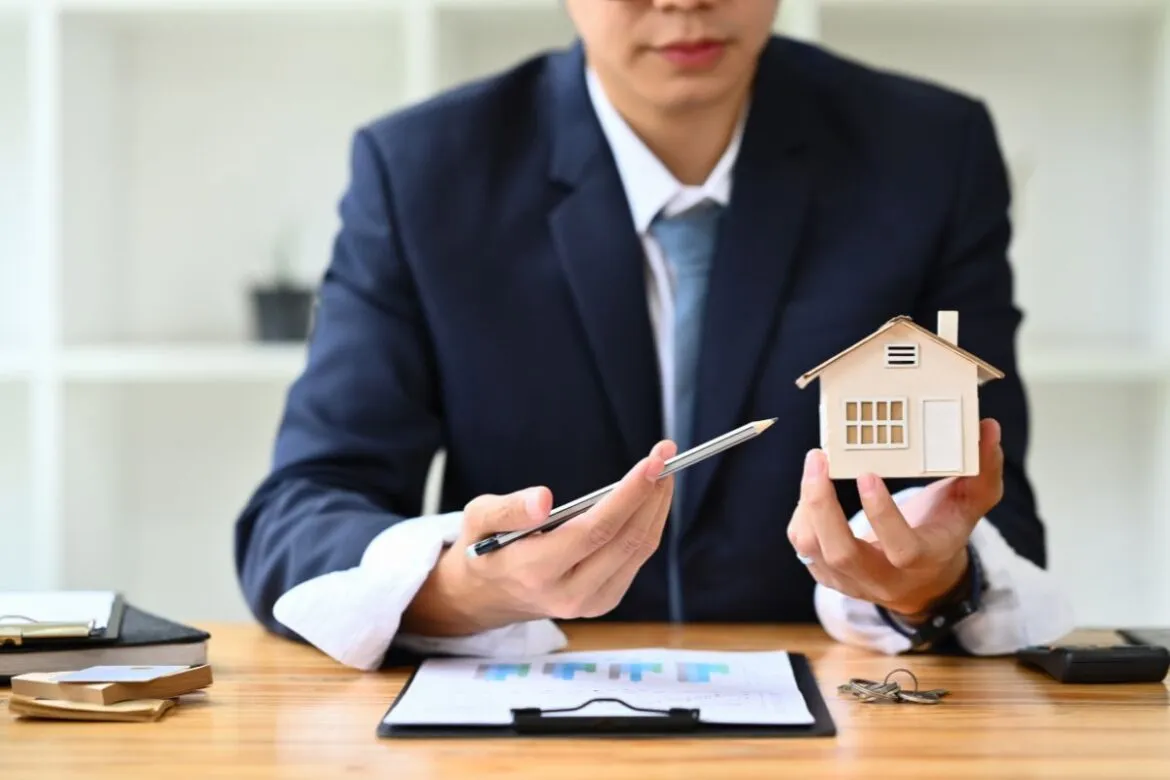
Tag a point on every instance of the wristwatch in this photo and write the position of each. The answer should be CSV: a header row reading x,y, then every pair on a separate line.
x,y
964,601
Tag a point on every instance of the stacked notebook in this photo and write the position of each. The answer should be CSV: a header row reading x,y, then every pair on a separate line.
x,y
107,693
73,630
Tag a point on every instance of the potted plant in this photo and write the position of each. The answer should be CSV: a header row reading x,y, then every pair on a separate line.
x,y
282,307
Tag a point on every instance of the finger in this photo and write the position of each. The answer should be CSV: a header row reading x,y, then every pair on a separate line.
x,y
638,538
602,596
490,514
803,538
986,489
974,496
839,581
588,532
801,533
902,546
823,514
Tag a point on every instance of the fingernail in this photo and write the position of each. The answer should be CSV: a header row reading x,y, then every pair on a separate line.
x,y
812,464
867,483
532,504
654,466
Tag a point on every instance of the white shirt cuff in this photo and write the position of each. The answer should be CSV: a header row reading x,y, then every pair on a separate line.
x,y
353,615
1023,604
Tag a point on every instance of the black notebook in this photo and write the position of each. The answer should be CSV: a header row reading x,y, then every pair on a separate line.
x,y
139,639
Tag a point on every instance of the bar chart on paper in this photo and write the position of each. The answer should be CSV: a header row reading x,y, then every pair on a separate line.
x,y
726,687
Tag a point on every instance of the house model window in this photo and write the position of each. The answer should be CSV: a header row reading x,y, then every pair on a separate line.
x,y
901,355
875,423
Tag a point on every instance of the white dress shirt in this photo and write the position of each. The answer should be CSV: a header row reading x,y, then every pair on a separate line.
x,y
354,615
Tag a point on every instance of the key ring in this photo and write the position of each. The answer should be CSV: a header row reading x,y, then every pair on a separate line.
x,y
905,671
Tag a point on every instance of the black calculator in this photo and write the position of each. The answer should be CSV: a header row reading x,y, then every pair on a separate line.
x,y
1132,663
1159,637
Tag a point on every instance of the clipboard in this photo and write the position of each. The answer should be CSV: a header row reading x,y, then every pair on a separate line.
x,y
27,633
641,723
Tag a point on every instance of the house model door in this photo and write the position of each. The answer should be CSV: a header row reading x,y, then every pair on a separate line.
x,y
942,435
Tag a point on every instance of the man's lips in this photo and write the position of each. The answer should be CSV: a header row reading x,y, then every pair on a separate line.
x,y
693,54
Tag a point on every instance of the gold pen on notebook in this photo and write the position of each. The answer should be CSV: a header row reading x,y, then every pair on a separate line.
x,y
570,510
16,632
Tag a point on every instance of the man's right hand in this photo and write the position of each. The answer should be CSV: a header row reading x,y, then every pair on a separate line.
x,y
580,569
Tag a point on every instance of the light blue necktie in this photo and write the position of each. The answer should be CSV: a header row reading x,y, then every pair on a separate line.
x,y
688,242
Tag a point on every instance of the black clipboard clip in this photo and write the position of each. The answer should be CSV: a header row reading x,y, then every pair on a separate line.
x,y
533,720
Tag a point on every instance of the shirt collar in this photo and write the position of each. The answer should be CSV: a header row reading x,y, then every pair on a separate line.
x,y
651,188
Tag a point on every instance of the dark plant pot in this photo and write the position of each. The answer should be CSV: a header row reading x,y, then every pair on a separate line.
x,y
282,313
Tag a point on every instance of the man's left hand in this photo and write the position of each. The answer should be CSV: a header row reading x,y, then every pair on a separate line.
x,y
917,553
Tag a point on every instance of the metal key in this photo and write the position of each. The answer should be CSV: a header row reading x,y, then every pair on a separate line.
x,y
870,691
919,697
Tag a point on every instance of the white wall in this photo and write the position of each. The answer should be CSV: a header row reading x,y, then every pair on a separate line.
x,y
15,507
13,179
1071,103
171,214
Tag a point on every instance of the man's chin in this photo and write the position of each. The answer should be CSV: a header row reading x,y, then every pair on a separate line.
x,y
689,98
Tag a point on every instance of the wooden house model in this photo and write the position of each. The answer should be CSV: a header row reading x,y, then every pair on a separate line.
x,y
902,402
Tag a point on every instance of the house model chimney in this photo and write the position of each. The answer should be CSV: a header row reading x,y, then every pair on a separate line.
x,y
948,326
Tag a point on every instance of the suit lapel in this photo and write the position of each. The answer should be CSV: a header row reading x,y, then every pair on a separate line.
x,y
604,264
756,253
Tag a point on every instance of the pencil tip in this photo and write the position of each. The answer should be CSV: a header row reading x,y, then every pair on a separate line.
x,y
764,425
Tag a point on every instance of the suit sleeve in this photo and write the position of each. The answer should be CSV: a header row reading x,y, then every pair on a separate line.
x,y
362,422
974,277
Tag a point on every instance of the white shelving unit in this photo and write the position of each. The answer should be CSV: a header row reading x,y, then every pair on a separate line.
x,y
155,153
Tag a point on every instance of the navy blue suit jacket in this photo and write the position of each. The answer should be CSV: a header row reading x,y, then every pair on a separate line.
x,y
486,295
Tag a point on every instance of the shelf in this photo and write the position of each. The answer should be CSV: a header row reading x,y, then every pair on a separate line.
x,y
184,363
1065,9
1104,364
14,366
16,309
491,5
211,6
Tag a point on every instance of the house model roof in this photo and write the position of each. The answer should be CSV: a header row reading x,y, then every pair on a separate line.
x,y
986,371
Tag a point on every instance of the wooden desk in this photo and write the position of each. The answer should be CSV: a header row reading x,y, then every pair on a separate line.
x,y
280,709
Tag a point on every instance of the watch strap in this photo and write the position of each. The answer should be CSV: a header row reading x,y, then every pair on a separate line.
x,y
949,613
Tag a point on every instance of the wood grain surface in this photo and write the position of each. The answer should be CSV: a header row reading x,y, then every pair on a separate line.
x,y
278,709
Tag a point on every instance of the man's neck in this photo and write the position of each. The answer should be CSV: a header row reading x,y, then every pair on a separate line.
x,y
689,143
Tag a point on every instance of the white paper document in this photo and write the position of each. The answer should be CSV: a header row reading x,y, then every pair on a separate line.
x,y
741,688
66,606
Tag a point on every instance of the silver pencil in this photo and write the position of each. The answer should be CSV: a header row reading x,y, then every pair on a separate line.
x,y
570,510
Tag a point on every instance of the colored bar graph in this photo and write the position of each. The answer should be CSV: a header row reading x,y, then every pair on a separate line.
x,y
501,671
699,672
633,671
567,670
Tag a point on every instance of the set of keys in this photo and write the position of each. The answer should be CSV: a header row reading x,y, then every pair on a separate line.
x,y
890,691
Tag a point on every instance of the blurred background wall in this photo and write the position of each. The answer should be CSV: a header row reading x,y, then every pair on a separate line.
x,y
160,160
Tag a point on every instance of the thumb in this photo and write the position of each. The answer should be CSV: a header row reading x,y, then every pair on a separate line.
x,y
490,514
978,494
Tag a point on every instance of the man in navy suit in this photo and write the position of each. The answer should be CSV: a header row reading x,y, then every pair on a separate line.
x,y
563,273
